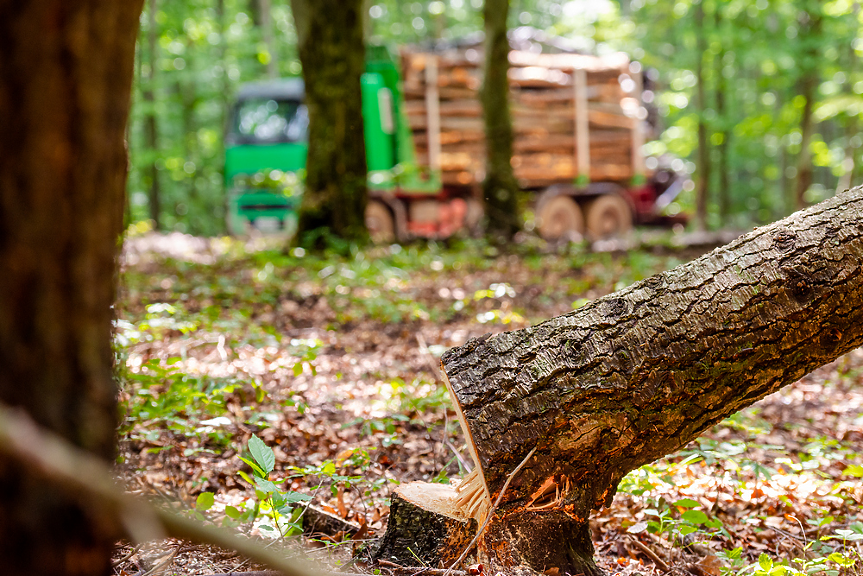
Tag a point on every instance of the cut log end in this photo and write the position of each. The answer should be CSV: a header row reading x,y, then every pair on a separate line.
x,y
434,537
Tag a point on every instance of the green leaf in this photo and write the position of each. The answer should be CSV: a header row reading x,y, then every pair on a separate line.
x,y
298,368
266,486
686,529
842,560
293,497
695,516
765,562
854,470
246,477
257,469
328,469
262,454
232,512
205,501
687,503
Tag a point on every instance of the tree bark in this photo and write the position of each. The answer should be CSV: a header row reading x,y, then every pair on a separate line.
x,y
65,80
808,84
723,149
500,188
638,374
703,149
330,37
151,129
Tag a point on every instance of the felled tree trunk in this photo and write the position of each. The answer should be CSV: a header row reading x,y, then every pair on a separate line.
x,y
639,373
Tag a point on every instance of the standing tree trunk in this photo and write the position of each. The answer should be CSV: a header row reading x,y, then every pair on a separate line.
x,y
583,399
807,87
270,40
725,134
65,81
151,130
809,64
330,36
500,188
703,150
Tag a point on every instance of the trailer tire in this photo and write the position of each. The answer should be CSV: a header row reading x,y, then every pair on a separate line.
x,y
559,216
380,222
608,215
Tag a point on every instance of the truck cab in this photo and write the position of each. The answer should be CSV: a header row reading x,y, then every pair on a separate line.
x,y
267,138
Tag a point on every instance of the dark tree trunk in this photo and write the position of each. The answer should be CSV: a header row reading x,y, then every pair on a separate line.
x,y
807,86
189,101
500,188
151,130
266,24
330,35
724,146
65,80
703,149
638,374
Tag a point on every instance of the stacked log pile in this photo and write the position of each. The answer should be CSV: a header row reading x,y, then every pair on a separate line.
x,y
543,103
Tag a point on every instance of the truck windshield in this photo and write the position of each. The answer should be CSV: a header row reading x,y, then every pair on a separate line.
x,y
269,121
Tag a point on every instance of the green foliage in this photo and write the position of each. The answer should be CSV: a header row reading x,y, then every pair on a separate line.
x,y
273,503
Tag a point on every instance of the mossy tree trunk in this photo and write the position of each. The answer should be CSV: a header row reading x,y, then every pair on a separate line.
x,y
638,374
500,188
330,35
65,80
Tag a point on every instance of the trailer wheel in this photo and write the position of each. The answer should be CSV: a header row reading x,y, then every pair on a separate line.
x,y
558,216
608,215
380,222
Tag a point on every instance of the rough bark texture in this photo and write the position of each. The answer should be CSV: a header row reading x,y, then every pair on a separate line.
x,y
637,374
500,188
416,533
330,35
65,79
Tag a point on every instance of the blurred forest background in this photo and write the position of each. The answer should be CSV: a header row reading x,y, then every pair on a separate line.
x,y
770,91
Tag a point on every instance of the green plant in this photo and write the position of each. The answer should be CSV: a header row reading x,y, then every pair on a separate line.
x,y
273,503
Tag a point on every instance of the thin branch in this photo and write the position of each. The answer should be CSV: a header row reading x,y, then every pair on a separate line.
x,y
79,473
490,512
660,563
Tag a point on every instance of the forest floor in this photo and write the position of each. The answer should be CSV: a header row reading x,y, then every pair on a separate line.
x,y
333,363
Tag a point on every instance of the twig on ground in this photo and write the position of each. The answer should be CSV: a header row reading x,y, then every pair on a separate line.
x,y
660,563
131,553
77,472
490,512
399,569
464,464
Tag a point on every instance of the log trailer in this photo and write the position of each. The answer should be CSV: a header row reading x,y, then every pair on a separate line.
x,y
579,126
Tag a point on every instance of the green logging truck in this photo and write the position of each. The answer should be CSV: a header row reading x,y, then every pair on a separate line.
x,y
579,127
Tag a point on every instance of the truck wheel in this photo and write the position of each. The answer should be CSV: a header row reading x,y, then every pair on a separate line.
x,y
558,216
380,223
608,215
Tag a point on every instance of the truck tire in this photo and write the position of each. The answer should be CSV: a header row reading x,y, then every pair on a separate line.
x,y
380,222
559,216
608,215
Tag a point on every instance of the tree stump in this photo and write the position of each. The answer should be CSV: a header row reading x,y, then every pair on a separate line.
x,y
638,374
